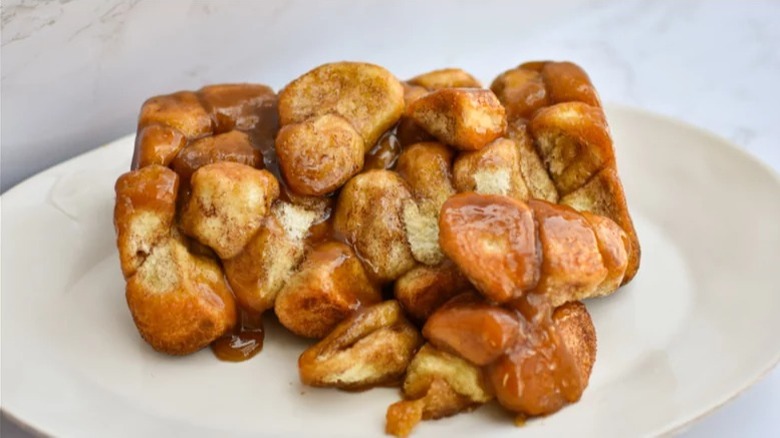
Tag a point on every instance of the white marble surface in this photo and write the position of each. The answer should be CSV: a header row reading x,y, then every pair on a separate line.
x,y
74,73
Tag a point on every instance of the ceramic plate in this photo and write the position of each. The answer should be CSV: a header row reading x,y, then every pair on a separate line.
x,y
696,326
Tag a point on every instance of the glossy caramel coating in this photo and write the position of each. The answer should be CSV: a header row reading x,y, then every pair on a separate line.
x,y
536,66
157,144
613,244
535,85
330,285
604,195
572,138
522,91
366,95
572,267
319,155
182,111
546,365
473,329
384,154
507,248
424,288
539,134
372,347
233,146
492,239
143,213
464,118
243,342
567,82
550,364
238,106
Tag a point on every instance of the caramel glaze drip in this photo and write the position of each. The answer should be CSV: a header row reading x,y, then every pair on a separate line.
x,y
385,152
537,375
245,341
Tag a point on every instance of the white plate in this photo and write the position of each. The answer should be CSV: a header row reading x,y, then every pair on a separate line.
x,y
697,326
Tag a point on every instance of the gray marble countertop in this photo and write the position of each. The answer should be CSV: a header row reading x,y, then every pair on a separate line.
x,y
74,74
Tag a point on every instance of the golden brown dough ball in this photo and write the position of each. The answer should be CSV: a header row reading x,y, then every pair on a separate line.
x,y
180,302
367,95
372,347
227,205
319,155
143,213
492,170
181,110
369,214
157,144
464,118
572,267
270,258
424,288
329,287
445,78
233,146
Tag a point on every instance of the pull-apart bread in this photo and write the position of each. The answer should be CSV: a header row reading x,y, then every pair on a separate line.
x,y
430,234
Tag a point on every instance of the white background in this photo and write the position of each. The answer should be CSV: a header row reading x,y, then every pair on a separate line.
x,y
74,73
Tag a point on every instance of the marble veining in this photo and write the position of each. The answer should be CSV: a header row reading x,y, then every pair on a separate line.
x,y
84,67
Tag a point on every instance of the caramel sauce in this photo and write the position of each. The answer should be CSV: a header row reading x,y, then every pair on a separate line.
x,y
151,188
251,109
319,233
538,375
385,152
183,196
234,146
580,259
472,328
408,133
263,134
156,144
492,239
324,232
245,341
237,106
